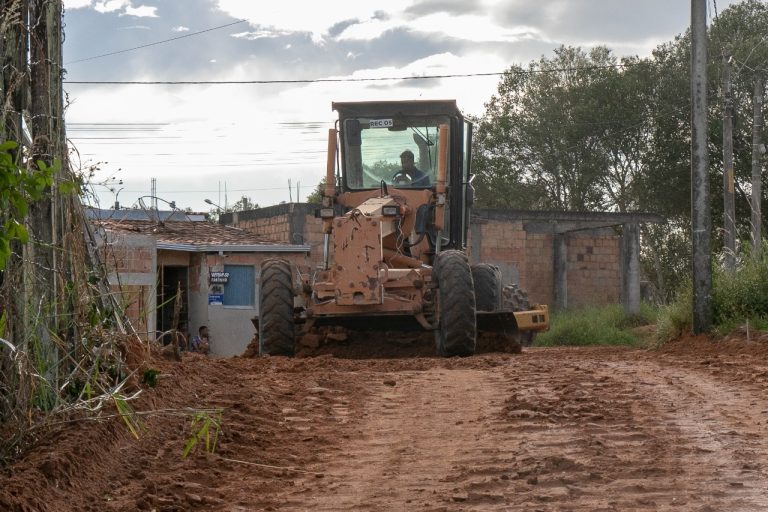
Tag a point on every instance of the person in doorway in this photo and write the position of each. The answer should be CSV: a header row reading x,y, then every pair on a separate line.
x,y
202,341
410,175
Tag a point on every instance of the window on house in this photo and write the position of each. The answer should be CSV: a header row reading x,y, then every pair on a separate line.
x,y
240,287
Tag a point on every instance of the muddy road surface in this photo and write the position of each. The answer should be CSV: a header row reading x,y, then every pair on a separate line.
x,y
589,429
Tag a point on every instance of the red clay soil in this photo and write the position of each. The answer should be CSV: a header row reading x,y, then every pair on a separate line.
x,y
360,427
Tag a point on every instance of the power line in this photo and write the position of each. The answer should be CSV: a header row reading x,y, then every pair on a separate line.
x,y
337,80
155,43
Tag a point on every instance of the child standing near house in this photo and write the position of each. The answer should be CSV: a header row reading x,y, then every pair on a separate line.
x,y
201,342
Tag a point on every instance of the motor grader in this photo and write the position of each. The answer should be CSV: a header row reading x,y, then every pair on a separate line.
x,y
394,244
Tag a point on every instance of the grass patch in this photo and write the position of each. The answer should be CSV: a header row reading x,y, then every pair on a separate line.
x,y
607,325
738,299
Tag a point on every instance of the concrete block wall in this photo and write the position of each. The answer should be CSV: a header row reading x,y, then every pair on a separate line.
x,y
594,270
131,261
539,274
277,228
522,249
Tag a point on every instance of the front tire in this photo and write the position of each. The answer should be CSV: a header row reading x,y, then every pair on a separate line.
x,y
457,331
276,326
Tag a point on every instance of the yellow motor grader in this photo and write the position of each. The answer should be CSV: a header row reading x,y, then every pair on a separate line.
x,y
395,216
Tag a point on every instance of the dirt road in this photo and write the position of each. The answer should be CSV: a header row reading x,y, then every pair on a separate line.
x,y
549,429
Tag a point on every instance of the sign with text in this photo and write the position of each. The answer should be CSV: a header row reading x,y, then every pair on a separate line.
x,y
381,123
219,277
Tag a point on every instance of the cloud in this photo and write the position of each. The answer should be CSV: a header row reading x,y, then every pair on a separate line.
x,y
180,28
142,11
315,18
76,4
260,34
457,7
111,5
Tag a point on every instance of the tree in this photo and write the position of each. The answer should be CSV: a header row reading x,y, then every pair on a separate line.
x,y
243,204
316,196
548,136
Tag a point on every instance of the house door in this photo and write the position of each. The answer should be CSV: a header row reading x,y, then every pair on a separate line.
x,y
172,279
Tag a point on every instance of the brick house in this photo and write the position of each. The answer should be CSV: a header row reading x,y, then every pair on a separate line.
x,y
216,267
564,259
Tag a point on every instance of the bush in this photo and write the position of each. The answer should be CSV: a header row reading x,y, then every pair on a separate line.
x,y
743,295
675,318
608,325
738,298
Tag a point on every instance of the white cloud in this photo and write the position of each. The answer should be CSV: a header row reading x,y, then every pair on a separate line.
x,y
302,16
180,28
212,61
142,11
111,5
260,34
76,4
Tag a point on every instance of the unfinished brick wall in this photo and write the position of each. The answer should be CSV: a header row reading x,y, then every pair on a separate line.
x,y
277,228
522,249
293,223
594,270
131,261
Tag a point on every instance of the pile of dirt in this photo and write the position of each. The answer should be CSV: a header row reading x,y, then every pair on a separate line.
x,y
740,341
94,463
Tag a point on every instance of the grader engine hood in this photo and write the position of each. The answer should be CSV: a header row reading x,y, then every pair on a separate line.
x,y
358,251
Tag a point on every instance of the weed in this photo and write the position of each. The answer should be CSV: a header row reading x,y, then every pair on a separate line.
x,y
208,429
149,377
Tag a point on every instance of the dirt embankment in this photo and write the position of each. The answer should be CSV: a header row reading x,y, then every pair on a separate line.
x,y
549,429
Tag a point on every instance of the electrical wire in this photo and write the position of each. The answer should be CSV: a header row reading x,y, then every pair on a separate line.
x,y
155,43
338,80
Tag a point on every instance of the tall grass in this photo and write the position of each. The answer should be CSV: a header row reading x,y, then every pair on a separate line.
x,y
738,298
606,325
742,296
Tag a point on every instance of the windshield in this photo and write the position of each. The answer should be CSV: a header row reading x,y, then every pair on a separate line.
x,y
400,151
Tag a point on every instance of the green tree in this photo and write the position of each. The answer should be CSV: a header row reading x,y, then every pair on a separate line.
x,y
243,204
316,196
544,141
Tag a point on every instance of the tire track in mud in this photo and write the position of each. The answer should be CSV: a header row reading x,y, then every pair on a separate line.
x,y
631,434
411,437
550,430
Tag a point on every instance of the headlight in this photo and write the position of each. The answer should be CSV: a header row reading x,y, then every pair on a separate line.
x,y
390,211
324,213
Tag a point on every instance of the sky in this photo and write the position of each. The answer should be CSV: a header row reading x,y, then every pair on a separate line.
x,y
222,142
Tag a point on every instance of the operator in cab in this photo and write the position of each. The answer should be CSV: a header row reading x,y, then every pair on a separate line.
x,y
410,175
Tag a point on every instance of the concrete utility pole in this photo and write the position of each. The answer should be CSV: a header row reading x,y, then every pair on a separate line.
x,y
757,183
729,202
701,217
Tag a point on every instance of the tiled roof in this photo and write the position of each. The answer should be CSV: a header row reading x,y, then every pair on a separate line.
x,y
188,233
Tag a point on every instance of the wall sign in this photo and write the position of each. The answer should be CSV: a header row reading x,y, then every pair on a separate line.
x,y
218,277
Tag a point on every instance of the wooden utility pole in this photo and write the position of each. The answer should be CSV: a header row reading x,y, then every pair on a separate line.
x,y
729,202
701,217
757,183
13,73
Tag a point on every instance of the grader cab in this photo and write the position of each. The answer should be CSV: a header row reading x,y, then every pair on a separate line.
x,y
395,217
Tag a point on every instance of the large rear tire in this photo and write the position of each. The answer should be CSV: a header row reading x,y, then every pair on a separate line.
x,y
487,282
457,331
276,326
